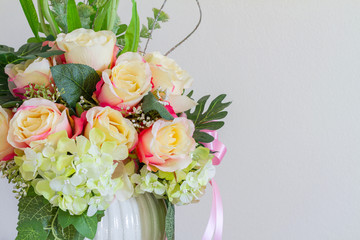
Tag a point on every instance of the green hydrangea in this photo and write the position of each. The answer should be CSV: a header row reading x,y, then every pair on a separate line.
x,y
75,175
181,187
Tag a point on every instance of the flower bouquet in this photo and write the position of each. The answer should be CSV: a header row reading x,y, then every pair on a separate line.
x,y
88,118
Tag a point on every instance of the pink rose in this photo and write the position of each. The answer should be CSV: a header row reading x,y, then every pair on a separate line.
x,y
35,120
6,150
126,84
167,145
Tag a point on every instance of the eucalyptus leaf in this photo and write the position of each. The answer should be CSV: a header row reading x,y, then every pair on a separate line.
x,y
76,80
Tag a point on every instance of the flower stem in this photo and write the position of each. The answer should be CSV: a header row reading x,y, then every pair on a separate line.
x,y
42,20
50,18
113,13
52,226
188,36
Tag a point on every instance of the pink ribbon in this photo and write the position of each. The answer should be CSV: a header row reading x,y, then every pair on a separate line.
x,y
216,146
214,227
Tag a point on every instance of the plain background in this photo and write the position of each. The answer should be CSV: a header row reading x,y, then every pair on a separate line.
x,y
292,70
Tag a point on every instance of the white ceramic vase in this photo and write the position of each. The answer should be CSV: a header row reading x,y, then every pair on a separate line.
x,y
140,218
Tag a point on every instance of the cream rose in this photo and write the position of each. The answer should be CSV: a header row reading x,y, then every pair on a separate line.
x,y
113,124
167,74
170,78
35,120
127,83
35,71
85,46
6,150
167,144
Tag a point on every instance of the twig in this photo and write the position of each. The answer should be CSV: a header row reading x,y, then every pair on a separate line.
x,y
188,36
153,27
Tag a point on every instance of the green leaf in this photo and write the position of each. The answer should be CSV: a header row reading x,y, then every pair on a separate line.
x,y
151,23
132,35
64,218
121,29
11,104
59,11
31,16
86,226
100,18
207,120
144,33
211,125
73,18
77,80
31,230
86,12
163,17
150,103
202,137
170,221
6,49
35,208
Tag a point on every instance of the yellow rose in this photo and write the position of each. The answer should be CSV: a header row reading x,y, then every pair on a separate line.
x,y
6,150
127,83
85,46
35,120
113,124
35,71
167,144
167,74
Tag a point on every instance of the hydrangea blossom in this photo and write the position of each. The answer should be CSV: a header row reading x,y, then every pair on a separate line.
x,y
75,175
181,187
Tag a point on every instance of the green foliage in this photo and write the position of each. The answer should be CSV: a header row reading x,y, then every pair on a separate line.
x,y
86,226
25,52
101,16
59,12
73,18
35,216
150,103
31,16
132,35
146,30
31,231
76,80
86,13
170,221
208,120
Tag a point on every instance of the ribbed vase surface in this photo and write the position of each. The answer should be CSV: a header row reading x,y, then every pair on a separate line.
x,y
140,218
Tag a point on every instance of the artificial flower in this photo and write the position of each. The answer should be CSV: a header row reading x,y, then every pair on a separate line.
x,y
85,46
74,174
167,144
6,150
113,124
126,84
35,120
172,80
34,71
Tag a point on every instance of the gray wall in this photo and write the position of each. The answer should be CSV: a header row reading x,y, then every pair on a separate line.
x,y
292,69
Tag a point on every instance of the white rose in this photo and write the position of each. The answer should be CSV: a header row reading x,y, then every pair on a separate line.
x,y
167,74
85,46
35,71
